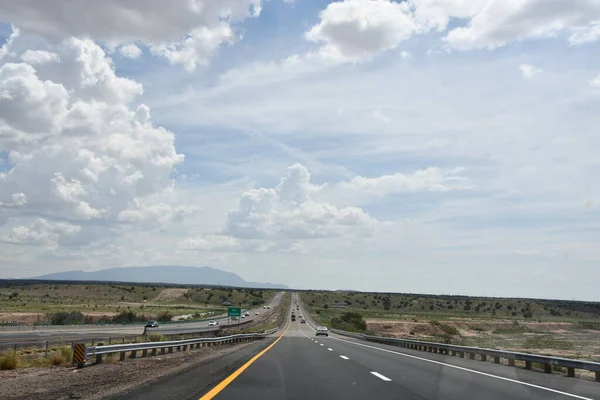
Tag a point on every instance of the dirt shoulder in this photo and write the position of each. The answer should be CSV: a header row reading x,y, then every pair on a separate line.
x,y
103,381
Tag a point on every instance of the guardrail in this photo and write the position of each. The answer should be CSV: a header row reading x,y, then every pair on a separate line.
x,y
180,345
547,362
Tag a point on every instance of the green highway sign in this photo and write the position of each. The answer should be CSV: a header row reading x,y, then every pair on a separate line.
x,y
234,311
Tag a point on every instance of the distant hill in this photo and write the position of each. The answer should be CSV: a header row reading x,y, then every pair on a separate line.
x,y
161,274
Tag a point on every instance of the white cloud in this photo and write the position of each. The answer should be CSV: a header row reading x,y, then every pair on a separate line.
x,y
595,82
34,57
406,55
211,243
4,49
130,51
497,22
583,35
288,211
41,233
76,148
529,71
197,48
380,116
356,30
430,179
189,31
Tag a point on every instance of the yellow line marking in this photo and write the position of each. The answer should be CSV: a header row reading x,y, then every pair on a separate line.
x,y
225,382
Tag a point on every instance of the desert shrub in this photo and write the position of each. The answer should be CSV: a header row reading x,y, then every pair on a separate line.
x,y
67,318
9,360
157,337
164,316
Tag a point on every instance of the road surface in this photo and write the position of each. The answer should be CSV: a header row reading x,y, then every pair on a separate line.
x,y
27,336
298,365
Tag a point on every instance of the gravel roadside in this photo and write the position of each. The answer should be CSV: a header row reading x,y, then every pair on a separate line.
x,y
105,380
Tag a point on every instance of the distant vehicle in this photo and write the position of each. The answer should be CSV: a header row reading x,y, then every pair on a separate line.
x,y
293,317
151,324
268,307
322,330
247,314
256,313
213,323
265,307
302,321
243,316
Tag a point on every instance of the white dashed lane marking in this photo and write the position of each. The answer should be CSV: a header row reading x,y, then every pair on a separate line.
x,y
344,357
382,377
330,349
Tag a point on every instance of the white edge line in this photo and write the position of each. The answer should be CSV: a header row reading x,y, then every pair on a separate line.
x,y
469,370
382,377
344,357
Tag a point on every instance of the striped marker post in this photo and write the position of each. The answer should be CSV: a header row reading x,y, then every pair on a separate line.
x,y
78,354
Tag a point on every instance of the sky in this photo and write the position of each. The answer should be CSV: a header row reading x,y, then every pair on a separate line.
x,y
423,146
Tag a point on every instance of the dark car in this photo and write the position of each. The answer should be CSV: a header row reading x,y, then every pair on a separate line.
x,y
151,324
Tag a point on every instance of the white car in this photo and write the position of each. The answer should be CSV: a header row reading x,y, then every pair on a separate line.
x,y
213,323
322,330
256,313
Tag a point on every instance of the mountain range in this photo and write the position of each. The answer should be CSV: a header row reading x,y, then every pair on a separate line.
x,y
182,275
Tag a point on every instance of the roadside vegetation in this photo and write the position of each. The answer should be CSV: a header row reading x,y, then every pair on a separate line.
x,y
81,303
57,356
551,327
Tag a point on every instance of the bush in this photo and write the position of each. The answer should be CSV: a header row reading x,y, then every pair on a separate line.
x,y
9,360
157,337
127,317
58,359
67,318
164,316
350,321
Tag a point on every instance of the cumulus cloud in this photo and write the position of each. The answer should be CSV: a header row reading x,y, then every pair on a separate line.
x,y
41,232
130,51
77,148
495,23
289,211
354,30
430,179
34,57
357,30
529,71
190,31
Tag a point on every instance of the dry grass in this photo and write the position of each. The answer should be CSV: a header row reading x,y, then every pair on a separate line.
x,y
62,357
157,337
9,360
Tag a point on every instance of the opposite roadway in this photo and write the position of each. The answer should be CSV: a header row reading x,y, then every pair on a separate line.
x,y
298,365
32,336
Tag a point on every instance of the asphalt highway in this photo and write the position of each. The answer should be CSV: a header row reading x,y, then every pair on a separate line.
x,y
298,365
28,336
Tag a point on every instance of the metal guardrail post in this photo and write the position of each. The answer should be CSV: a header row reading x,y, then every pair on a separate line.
x,y
99,356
